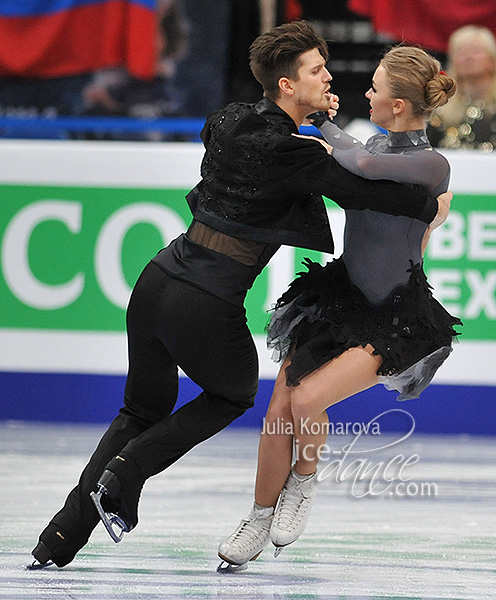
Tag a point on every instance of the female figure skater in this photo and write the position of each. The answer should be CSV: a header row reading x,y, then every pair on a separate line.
x,y
365,318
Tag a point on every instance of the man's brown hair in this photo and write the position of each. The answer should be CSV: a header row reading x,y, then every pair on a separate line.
x,y
276,54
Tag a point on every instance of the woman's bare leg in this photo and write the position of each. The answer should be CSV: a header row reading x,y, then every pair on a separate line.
x,y
349,373
302,410
275,452
345,375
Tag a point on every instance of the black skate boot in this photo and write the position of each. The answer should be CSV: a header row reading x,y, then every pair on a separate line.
x,y
117,496
55,546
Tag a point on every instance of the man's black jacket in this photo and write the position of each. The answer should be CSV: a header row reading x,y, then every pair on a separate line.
x,y
261,183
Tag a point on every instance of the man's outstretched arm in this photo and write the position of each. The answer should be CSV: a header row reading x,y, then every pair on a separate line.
x,y
306,166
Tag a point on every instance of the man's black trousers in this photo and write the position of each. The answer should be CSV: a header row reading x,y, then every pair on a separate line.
x,y
170,323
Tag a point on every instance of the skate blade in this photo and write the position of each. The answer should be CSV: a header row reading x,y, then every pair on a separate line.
x,y
278,550
36,565
115,526
226,567
231,568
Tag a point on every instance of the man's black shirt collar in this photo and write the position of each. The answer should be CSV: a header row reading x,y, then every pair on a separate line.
x,y
266,107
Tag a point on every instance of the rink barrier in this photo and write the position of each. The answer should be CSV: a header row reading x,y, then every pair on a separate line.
x,y
80,398
63,127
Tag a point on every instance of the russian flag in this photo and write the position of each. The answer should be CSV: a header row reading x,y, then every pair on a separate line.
x,y
53,38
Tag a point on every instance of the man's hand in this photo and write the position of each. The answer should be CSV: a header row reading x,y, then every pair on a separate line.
x,y
444,203
327,146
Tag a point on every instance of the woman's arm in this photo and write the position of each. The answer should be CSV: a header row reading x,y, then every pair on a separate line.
x,y
338,138
331,133
425,167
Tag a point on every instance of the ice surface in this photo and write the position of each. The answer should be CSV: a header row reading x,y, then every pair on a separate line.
x,y
389,546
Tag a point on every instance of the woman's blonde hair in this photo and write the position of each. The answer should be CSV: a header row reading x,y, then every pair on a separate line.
x,y
416,76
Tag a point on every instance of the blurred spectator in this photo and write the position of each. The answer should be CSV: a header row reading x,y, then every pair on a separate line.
x,y
45,97
202,73
244,28
114,92
469,119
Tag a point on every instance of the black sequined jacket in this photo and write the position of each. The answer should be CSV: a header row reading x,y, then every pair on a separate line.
x,y
261,183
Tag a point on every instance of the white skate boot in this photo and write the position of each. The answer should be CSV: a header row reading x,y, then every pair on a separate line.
x,y
291,516
247,541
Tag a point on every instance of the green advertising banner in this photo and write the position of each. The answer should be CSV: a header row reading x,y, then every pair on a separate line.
x,y
70,256
460,263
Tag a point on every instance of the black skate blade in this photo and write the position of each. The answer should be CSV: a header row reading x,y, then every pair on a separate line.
x,y
115,526
42,556
36,565
278,550
226,567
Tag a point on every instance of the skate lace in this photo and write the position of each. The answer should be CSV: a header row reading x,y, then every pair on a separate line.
x,y
294,502
250,529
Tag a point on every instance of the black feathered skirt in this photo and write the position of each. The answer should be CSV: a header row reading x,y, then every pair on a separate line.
x,y
322,314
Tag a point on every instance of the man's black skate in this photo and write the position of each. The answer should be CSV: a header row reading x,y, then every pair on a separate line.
x,y
55,546
117,496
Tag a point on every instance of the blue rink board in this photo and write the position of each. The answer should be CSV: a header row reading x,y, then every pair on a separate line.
x,y
97,398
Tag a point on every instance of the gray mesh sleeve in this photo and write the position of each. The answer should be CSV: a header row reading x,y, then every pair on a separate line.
x,y
337,137
425,167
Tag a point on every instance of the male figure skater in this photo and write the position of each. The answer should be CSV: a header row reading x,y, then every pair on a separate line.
x,y
261,187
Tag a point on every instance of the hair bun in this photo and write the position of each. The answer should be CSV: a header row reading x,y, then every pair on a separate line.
x,y
448,83
439,90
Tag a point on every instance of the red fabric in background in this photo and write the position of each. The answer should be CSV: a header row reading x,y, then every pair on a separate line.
x,y
79,40
428,23
292,11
